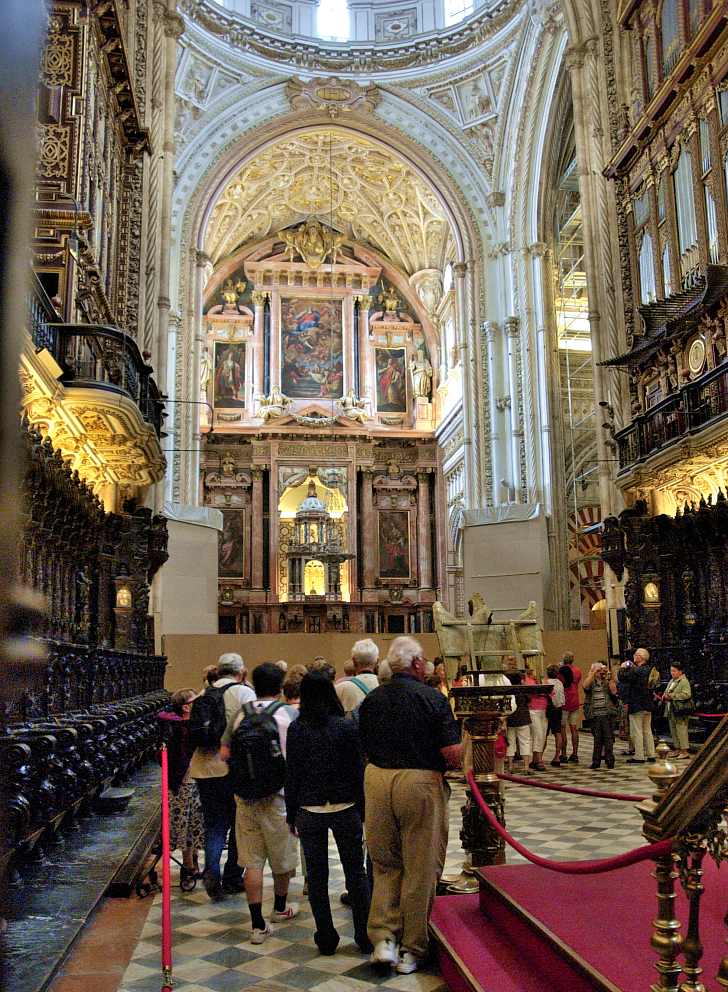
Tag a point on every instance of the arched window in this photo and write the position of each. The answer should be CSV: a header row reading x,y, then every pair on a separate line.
x,y
447,279
650,76
647,270
684,202
332,20
666,275
705,145
712,218
670,26
693,17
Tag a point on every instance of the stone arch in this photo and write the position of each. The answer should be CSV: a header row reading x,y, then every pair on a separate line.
x,y
200,181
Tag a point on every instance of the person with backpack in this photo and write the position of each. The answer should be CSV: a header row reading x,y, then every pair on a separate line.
x,y
209,730
257,774
325,791
354,689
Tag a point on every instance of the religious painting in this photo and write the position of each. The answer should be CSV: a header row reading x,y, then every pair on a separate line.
x,y
391,380
229,375
312,363
394,544
230,545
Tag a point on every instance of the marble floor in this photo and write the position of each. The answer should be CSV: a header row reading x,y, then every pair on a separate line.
x,y
212,949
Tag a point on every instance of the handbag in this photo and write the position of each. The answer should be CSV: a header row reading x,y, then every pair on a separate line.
x,y
683,707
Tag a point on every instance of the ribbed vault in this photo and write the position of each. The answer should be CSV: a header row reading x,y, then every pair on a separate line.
x,y
347,181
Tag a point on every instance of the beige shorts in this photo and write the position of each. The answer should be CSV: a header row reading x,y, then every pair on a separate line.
x,y
262,835
572,719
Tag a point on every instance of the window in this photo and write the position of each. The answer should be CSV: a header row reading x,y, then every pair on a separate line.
x,y
684,202
705,145
670,36
641,209
693,17
457,10
332,20
647,270
661,201
712,218
650,66
666,276
723,106
447,279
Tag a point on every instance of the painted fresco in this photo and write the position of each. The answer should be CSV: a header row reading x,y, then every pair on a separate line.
x,y
391,380
311,349
229,389
230,545
394,544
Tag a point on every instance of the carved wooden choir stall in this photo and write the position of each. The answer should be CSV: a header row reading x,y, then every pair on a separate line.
x,y
83,714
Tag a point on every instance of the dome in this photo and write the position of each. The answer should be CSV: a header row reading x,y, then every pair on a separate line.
x,y
341,22
312,503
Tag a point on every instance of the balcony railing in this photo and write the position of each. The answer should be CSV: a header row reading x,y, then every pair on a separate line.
x,y
95,355
697,404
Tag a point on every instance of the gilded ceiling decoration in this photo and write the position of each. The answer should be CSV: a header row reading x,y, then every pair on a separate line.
x,y
349,183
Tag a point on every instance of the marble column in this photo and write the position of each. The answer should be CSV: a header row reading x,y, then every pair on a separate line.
x,y
259,299
514,388
256,529
368,529
424,537
469,391
365,386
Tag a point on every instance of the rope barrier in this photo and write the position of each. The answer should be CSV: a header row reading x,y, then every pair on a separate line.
x,y
596,867
710,716
571,788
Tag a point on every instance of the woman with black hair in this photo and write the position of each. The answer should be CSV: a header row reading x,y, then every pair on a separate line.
x,y
325,790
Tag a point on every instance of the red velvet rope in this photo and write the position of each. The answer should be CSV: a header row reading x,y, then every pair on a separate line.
x,y
569,867
571,788
711,716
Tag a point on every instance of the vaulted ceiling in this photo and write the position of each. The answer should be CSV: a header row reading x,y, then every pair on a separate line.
x,y
348,182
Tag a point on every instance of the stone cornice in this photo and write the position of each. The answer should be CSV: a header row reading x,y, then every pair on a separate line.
x,y
350,59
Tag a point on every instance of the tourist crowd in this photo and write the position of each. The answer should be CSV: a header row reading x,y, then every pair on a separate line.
x,y
268,765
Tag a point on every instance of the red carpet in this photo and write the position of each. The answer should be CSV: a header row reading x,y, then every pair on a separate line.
x,y
520,963
603,924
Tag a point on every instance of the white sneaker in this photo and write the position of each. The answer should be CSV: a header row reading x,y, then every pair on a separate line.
x,y
407,964
385,952
260,935
286,914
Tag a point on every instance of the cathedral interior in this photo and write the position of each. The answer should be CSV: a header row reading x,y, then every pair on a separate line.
x,y
319,313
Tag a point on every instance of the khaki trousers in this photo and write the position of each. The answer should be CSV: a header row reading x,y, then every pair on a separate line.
x,y
407,824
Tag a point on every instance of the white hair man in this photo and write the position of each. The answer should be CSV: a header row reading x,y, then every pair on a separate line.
x,y
210,771
410,737
637,691
353,689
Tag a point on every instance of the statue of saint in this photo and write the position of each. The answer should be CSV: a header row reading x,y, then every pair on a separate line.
x,y
421,372
352,407
274,405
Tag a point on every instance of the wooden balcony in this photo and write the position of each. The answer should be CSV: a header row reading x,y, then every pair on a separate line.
x,y
697,406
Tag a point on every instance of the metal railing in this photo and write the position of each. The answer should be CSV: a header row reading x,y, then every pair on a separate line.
x,y
95,355
691,408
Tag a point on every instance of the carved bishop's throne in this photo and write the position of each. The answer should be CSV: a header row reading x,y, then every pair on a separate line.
x,y
490,651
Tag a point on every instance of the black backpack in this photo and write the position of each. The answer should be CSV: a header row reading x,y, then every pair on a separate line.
x,y
207,718
257,765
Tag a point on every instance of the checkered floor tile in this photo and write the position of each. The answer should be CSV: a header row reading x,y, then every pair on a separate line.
x,y
212,948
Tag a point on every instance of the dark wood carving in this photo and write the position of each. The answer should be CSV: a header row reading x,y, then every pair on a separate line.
x,y
88,716
684,614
